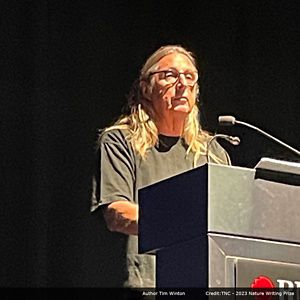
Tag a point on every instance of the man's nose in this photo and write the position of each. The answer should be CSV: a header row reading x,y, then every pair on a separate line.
x,y
181,81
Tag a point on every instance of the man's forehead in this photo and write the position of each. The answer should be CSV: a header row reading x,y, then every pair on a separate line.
x,y
177,61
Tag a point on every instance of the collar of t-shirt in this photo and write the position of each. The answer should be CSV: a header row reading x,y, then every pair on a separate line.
x,y
165,143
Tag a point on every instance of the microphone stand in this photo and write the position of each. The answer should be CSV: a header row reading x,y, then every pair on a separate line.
x,y
230,120
234,140
269,136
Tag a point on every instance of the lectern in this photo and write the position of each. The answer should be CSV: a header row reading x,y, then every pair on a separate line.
x,y
224,226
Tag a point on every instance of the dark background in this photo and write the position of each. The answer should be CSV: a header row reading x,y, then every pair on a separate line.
x,y
66,68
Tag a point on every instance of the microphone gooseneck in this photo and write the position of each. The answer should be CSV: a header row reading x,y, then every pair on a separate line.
x,y
230,121
234,140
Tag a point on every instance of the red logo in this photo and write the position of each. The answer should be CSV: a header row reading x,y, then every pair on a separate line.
x,y
262,282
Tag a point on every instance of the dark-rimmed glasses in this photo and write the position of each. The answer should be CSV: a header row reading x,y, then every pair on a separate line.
x,y
171,76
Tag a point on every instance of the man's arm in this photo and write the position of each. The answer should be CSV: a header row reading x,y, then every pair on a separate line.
x,y
122,216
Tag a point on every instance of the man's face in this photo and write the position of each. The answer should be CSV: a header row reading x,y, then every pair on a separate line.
x,y
174,90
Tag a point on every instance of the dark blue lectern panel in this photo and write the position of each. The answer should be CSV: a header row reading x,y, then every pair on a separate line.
x,y
173,224
183,265
173,211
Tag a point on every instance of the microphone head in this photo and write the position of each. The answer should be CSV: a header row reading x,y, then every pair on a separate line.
x,y
235,140
226,120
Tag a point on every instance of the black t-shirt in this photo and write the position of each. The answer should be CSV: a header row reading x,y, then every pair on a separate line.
x,y
121,173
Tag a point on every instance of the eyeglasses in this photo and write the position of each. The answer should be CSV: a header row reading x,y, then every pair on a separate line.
x,y
171,76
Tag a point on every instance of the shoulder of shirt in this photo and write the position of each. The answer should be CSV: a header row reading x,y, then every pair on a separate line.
x,y
113,136
216,148
220,152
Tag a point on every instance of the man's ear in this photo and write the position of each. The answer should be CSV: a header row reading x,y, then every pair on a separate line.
x,y
145,89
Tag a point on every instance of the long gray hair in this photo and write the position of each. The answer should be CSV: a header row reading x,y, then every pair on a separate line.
x,y
143,132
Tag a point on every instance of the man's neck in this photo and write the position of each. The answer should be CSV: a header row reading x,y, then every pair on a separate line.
x,y
171,126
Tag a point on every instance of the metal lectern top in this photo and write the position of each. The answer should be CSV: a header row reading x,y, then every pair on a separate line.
x,y
221,226
220,199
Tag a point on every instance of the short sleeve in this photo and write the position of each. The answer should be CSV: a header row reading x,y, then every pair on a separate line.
x,y
220,155
114,178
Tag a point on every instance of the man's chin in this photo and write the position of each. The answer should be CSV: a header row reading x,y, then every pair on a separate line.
x,y
182,109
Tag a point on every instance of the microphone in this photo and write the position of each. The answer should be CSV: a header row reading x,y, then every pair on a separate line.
x,y
234,140
226,120
230,121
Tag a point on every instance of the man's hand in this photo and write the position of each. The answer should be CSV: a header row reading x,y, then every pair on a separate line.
x,y
122,216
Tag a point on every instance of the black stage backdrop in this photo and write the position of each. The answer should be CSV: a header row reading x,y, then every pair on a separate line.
x,y
66,67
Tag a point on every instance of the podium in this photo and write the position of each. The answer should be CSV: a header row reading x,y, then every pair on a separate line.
x,y
224,226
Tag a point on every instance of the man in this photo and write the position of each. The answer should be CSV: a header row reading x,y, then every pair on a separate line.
x,y
159,138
